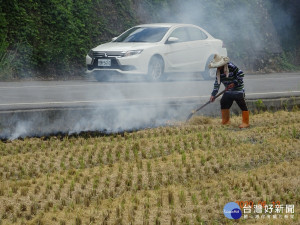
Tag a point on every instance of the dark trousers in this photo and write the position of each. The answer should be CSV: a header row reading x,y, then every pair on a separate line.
x,y
230,96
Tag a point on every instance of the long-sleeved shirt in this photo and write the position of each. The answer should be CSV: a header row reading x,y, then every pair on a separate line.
x,y
235,76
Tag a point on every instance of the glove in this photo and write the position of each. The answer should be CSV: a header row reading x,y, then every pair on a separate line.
x,y
212,98
230,86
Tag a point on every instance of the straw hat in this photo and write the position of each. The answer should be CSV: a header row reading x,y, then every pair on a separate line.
x,y
218,61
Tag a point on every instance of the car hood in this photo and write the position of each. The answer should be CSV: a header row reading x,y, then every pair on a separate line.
x,y
123,46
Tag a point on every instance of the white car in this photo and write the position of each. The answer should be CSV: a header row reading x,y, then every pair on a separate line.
x,y
156,51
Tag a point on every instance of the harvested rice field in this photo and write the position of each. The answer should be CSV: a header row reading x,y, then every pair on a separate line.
x,y
180,174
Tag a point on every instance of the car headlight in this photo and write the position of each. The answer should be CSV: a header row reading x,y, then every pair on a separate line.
x,y
90,54
133,52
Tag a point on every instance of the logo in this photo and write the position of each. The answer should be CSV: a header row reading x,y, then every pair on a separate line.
x,y
232,211
105,54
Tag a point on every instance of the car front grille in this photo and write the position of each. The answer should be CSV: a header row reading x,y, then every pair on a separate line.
x,y
108,54
112,55
114,65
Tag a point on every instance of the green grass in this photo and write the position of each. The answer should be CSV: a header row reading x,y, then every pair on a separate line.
x,y
182,174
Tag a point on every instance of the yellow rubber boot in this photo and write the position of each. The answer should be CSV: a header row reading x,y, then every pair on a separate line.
x,y
225,117
245,123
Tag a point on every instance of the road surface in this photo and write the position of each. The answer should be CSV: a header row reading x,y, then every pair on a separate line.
x,y
61,94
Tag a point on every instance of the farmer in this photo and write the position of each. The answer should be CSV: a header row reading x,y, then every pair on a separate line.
x,y
232,78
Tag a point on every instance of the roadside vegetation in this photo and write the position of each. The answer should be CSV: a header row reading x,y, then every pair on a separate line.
x,y
50,39
179,174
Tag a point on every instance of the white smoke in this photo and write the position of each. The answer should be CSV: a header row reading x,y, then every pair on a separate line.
x,y
21,129
245,27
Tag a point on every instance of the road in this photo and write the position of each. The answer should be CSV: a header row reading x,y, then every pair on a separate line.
x,y
62,94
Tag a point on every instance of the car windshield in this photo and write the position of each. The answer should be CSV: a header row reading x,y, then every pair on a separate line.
x,y
143,34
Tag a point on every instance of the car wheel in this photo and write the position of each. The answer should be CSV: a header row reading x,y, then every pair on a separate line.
x,y
101,77
156,69
209,74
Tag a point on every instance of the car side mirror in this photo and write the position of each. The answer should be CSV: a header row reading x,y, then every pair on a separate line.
x,y
172,40
114,38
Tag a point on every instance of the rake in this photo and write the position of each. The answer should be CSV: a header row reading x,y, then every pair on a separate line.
x,y
201,107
